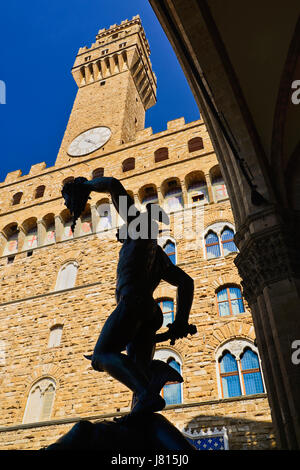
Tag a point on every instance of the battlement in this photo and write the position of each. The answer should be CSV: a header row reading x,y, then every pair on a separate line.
x,y
112,33
143,135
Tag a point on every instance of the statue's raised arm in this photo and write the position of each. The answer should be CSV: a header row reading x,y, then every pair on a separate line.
x,y
76,194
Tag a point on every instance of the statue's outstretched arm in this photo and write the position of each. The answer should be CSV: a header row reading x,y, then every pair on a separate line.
x,y
123,202
185,292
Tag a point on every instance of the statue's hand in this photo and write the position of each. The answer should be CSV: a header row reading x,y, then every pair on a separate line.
x,y
180,330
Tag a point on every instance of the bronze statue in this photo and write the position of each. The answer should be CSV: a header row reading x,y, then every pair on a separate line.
x,y
132,326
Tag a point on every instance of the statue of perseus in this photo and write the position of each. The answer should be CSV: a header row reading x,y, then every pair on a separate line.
x,y
132,326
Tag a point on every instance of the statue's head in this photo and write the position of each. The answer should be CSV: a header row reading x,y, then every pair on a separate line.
x,y
75,198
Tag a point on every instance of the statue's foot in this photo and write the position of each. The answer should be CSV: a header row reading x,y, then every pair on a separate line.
x,y
148,403
161,374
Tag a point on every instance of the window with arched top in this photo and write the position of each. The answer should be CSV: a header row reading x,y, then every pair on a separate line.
x,y
98,173
16,199
218,184
195,144
128,164
39,192
69,179
219,240
31,234
40,401
148,194
67,222
173,195
86,221
172,391
55,336
212,245
161,154
170,249
67,276
12,235
167,308
239,369
227,240
229,373
230,301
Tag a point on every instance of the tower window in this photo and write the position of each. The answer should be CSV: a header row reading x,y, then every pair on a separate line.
x,y
105,51
115,35
102,83
88,58
123,44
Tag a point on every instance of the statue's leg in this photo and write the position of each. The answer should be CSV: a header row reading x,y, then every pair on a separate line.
x,y
118,331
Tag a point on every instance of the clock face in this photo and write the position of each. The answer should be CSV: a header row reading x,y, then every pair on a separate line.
x,y
89,141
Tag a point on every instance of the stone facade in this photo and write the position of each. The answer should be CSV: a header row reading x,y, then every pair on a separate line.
x,y
32,303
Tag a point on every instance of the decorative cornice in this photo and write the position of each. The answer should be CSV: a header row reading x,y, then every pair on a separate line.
x,y
266,258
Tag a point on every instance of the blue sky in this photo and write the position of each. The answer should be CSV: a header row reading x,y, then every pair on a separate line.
x,y
39,41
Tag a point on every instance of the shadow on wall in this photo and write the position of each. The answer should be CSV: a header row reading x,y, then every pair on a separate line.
x,y
237,433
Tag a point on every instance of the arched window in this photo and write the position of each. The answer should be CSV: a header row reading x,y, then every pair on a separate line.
x,y
195,183
252,380
49,223
230,301
167,308
172,391
55,336
161,154
68,180
105,220
170,250
11,245
86,221
16,199
39,192
229,373
67,276
218,184
219,240
195,144
227,241
97,173
212,245
67,223
148,194
173,195
128,164
31,237
239,369
40,401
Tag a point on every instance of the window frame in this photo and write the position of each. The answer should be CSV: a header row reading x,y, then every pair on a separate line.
x,y
226,287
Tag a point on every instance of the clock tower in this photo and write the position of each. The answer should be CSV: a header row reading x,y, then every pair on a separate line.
x,y
116,85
